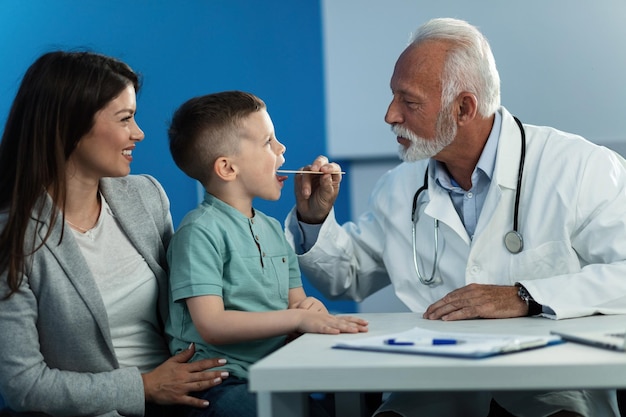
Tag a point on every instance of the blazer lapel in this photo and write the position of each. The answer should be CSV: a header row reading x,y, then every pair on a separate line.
x,y
70,258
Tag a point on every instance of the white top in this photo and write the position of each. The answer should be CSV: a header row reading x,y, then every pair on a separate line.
x,y
129,291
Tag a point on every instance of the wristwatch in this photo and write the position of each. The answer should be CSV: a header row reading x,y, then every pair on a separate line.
x,y
534,308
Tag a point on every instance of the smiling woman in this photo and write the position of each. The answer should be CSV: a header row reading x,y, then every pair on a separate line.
x,y
106,150
82,251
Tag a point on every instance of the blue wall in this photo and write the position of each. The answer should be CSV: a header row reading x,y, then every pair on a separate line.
x,y
271,48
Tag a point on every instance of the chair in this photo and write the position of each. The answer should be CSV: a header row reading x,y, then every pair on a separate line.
x,y
621,401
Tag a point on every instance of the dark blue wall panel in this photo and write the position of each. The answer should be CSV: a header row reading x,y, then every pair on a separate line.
x,y
271,48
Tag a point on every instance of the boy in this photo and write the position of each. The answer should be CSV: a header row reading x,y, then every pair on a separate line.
x,y
236,290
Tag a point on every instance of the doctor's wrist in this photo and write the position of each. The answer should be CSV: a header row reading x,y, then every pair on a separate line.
x,y
534,308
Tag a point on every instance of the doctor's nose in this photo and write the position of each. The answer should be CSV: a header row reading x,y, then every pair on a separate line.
x,y
393,115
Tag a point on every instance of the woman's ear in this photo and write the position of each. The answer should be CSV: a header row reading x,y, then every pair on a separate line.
x,y
224,169
467,107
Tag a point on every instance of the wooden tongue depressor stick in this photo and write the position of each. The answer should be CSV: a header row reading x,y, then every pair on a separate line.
x,y
289,171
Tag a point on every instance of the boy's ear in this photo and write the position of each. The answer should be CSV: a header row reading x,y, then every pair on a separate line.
x,y
224,169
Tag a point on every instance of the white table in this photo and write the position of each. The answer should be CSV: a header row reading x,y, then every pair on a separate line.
x,y
309,364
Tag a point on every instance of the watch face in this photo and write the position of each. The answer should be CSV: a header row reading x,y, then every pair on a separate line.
x,y
534,308
524,295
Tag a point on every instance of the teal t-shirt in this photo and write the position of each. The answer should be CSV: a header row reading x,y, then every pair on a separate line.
x,y
246,261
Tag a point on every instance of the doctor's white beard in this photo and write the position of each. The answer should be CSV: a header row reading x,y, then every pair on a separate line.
x,y
422,148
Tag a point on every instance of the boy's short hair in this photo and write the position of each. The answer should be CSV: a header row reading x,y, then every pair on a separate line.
x,y
206,127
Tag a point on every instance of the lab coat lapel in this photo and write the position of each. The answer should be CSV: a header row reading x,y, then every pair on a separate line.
x,y
509,152
440,207
496,217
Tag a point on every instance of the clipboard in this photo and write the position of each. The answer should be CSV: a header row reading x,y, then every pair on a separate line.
x,y
615,340
420,341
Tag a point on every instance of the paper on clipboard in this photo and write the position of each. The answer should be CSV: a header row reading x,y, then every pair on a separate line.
x,y
456,344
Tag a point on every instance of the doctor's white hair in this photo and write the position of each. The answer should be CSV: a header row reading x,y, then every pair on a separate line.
x,y
470,65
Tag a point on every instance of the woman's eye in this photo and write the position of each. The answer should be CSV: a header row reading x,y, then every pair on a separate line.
x,y
127,116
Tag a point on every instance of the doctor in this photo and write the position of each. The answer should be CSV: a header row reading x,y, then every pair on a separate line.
x,y
486,217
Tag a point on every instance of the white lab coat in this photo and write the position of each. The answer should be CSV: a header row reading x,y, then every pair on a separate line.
x,y
572,216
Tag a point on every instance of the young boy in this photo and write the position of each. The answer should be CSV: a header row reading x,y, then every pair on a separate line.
x,y
236,290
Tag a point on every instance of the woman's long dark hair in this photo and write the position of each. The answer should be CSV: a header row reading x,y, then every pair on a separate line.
x,y
54,108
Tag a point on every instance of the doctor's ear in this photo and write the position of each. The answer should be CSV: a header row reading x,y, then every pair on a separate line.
x,y
467,107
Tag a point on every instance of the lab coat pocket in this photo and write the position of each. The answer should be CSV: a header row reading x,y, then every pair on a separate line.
x,y
545,260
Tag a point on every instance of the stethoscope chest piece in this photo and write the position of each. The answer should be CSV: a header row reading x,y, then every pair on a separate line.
x,y
514,242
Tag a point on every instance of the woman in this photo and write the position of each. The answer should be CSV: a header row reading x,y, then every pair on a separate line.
x,y
83,282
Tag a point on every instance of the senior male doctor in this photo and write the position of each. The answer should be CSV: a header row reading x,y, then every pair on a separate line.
x,y
510,219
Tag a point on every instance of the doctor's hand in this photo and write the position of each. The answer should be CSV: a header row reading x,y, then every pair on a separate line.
x,y
316,194
478,301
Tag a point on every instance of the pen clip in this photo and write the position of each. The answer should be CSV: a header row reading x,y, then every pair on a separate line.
x,y
395,342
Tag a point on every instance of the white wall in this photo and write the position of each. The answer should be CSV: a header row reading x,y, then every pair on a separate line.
x,y
561,63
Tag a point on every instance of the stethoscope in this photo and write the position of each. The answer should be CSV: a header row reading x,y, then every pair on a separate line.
x,y
513,239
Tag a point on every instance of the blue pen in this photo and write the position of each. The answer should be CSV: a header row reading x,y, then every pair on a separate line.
x,y
396,342
445,341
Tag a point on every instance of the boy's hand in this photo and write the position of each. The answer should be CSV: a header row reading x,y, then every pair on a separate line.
x,y
313,322
310,303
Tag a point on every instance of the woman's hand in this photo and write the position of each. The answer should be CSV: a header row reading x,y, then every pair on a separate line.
x,y
172,381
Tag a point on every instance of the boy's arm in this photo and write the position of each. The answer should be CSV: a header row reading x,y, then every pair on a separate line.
x,y
218,326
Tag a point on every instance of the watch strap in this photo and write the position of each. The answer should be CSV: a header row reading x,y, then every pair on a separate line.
x,y
534,308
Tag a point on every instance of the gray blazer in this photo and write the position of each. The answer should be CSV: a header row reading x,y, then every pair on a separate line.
x,y
56,353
